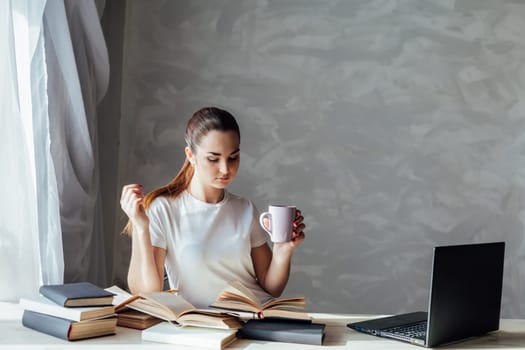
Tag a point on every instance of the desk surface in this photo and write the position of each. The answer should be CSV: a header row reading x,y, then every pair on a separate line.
x,y
13,335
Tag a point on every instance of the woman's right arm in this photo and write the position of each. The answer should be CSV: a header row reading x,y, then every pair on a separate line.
x,y
146,268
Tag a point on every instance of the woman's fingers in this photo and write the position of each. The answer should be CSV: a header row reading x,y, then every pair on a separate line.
x,y
298,225
266,223
298,222
131,187
298,217
128,190
138,200
131,202
131,198
299,229
298,239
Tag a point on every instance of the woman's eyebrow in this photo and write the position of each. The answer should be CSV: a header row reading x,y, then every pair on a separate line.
x,y
218,154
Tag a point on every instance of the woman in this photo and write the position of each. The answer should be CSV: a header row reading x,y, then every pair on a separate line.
x,y
203,235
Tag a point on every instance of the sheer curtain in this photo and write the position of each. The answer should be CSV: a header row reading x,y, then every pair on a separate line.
x,y
29,223
53,71
78,69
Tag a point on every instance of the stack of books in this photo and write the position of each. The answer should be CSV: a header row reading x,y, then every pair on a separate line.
x,y
71,311
127,317
136,319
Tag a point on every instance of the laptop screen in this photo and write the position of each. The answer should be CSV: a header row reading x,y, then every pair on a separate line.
x,y
465,294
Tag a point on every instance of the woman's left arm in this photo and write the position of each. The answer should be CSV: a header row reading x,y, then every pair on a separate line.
x,y
273,267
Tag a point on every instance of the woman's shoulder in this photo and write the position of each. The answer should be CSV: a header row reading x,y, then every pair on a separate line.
x,y
161,203
240,201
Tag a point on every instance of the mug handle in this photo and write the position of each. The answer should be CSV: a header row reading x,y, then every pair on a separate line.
x,y
261,217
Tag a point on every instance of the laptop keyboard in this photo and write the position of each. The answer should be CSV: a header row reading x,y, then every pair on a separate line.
x,y
417,330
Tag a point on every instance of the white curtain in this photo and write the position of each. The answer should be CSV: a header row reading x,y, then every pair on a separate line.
x,y
53,71
29,223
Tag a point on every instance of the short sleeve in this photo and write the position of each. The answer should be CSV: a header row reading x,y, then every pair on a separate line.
x,y
258,236
157,229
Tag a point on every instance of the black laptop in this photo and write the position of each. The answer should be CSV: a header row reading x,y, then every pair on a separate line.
x,y
464,301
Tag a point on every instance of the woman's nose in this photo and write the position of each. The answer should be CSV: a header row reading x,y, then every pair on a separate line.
x,y
224,168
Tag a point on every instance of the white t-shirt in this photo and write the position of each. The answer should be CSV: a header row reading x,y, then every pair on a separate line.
x,y
207,245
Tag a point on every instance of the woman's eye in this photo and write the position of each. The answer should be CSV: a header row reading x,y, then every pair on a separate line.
x,y
233,159
213,160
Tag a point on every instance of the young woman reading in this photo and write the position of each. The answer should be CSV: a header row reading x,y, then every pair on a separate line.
x,y
200,233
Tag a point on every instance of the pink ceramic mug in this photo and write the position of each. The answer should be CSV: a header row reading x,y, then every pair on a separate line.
x,y
281,222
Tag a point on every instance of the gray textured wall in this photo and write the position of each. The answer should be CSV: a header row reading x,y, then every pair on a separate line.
x,y
394,125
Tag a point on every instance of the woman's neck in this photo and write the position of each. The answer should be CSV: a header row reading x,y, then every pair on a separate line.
x,y
208,195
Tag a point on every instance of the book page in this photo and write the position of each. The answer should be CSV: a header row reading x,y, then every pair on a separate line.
x,y
285,303
212,321
119,292
169,305
238,293
121,297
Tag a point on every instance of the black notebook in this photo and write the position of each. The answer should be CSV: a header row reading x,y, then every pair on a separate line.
x,y
286,331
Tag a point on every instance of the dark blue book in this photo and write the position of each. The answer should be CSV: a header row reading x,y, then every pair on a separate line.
x,y
286,331
67,329
77,294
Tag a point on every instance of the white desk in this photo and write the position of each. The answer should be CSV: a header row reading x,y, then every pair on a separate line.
x,y
15,336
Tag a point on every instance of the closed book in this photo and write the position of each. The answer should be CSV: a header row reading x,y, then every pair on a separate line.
x,y
43,305
284,331
209,338
136,319
77,294
67,329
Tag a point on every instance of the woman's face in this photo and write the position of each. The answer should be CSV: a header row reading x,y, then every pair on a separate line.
x,y
216,159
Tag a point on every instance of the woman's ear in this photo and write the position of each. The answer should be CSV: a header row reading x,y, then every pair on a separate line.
x,y
189,155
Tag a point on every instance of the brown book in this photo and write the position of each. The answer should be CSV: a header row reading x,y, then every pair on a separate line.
x,y
236,297
136,319
170,306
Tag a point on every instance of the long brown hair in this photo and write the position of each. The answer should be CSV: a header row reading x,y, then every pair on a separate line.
x,y
200,124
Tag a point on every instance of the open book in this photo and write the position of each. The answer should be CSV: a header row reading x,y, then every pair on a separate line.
x,y
237,297
173,308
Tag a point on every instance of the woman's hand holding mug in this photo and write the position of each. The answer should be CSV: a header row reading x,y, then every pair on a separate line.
x,y
284,224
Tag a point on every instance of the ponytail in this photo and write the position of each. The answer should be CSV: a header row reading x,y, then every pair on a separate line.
x,y
173,189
